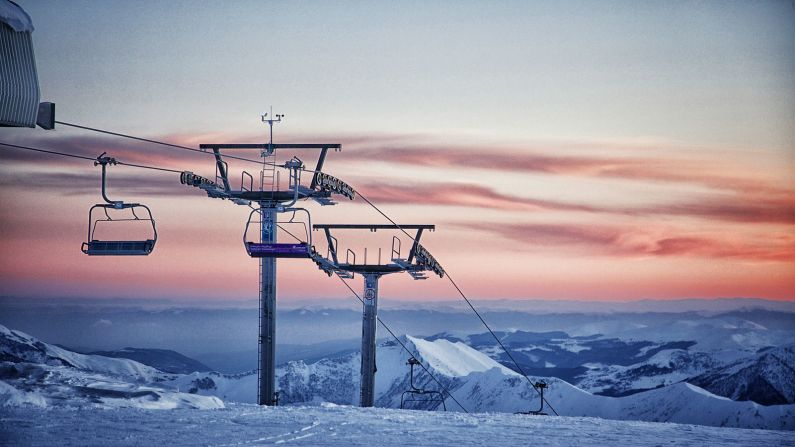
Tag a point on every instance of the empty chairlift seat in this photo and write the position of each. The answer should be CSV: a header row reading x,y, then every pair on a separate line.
x,y
114,247
118,248
113,214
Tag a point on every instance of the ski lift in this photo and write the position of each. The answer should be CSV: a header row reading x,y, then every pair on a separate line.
x,y
540,387
128,247
414,392
301,249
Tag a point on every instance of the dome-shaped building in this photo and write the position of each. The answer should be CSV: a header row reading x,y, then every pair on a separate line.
x,y
19,82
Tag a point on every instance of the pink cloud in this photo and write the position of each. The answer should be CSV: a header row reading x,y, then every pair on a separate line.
x,y
709,172
719,208
636,242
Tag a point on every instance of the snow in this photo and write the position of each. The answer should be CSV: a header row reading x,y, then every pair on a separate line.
x,y
571,346
45,375
453,359
15,17
332,425
56,378
35,350
230,388
704,392
767,377
12,397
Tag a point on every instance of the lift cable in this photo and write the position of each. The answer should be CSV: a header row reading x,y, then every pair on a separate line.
x,y
162,143
133,165
460,292
403,345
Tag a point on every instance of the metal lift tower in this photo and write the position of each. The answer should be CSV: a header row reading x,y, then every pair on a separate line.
x,y
418,261
268,201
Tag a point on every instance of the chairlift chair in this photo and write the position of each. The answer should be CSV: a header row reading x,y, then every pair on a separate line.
x,y
414,392
540,387
126,247
301,249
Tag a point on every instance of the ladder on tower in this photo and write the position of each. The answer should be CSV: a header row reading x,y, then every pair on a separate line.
x,y
269,176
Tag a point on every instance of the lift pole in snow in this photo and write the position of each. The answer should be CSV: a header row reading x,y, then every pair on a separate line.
x,y
270,200
418,261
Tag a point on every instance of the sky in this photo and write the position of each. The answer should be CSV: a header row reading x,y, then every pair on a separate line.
x,y
564,150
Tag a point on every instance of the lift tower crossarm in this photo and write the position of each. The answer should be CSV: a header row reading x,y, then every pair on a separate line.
x,y
335,146
269,148
373,227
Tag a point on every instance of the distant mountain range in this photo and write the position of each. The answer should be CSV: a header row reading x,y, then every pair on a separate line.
x,y
482,384
165,360
210,335
36,373
767,378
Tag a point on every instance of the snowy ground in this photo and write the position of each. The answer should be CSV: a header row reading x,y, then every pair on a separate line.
x,y
331,425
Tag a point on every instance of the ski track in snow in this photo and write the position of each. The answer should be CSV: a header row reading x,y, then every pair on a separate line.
x,y
332,425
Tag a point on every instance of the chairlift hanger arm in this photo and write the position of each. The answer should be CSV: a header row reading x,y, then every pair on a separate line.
x,y
331,246
104,160
320,161
219,163
414,246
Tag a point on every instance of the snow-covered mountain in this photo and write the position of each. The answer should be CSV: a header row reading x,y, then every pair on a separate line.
x,y
331,425
665,367
165,360
41,374
482,384
767,378
600,365
33,372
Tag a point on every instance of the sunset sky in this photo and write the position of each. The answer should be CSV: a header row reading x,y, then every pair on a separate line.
x,y
565,150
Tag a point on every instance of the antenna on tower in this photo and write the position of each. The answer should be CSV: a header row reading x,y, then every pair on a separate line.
x,y
273,119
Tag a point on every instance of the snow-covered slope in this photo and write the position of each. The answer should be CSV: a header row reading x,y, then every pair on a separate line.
x,y
767,378
332,425
43,375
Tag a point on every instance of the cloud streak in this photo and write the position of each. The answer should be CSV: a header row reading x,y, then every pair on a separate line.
x,y
718,208
750,200
91,146
635,242
710,173
461,194
118,184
